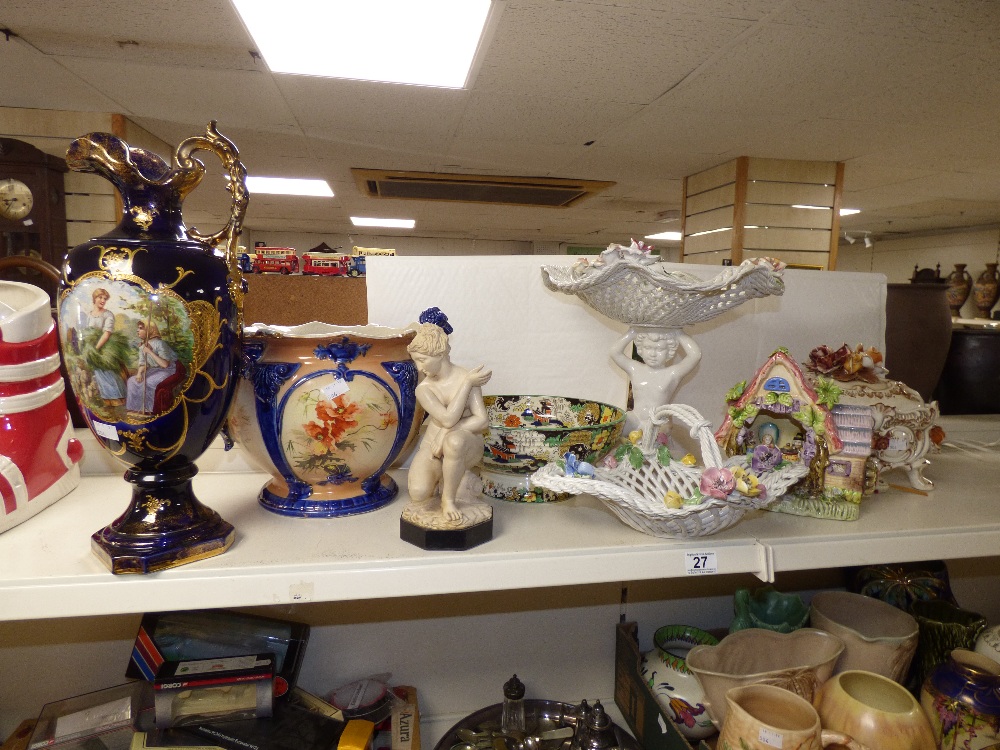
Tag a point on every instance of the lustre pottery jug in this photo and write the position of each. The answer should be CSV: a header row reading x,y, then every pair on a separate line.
x,y
959,286
150,324
962,699
986,291
326,410
765,717
943,628
875,711
675,687
39,457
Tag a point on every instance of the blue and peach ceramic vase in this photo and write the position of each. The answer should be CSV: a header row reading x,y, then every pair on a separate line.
x,y
326,411
961,697
150,326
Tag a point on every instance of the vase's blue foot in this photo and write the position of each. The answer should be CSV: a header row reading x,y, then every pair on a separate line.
x,y
165,526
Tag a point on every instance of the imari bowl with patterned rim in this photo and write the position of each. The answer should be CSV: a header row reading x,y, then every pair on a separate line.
x,y
527,432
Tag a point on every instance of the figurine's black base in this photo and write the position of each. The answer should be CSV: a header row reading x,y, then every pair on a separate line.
x,y
459,539
165,525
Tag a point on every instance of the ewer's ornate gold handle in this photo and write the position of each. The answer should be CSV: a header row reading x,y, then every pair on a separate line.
x,y
226,238
229,155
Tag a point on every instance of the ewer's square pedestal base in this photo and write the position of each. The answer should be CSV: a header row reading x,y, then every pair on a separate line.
x,y
124,556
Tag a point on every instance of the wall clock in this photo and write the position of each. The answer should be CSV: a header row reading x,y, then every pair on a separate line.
x,y
32,209
16,199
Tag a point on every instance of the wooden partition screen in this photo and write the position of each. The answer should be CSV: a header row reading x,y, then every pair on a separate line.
x,y
751,207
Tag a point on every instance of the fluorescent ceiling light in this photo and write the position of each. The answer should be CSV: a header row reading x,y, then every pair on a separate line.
x,y
670,236
843,211
289,186
361,221
427,43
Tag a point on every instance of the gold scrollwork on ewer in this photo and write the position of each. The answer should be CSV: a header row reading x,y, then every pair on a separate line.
x,y
153,507
117,261
143,216
134,440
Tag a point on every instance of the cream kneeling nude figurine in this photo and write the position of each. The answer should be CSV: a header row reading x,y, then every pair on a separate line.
x,y
453,441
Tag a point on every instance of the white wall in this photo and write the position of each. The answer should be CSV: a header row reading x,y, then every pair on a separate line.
x,y
896,258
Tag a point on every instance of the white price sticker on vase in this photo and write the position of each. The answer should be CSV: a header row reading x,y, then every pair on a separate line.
x,y
700,563
336,388
770,737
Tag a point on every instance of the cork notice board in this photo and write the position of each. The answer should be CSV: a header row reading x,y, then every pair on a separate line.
x,y
291,300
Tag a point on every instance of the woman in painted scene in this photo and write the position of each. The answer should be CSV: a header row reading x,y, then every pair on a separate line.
x,y
157,362
106,351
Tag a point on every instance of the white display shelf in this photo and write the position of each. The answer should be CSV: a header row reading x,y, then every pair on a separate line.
x,y
49,570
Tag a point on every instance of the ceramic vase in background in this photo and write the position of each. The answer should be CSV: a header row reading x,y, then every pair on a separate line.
x,y
877,637
326,410
917,334
986,291
150,321
959,287
961,697
902,584
677,690
875,711
944,627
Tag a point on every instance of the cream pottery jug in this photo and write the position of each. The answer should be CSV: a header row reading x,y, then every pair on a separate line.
x,y
765,717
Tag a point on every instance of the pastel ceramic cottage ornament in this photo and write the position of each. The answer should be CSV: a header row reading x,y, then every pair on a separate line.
x,y
444,512
628,285
326,410
150,321
677,690
39,457
782,415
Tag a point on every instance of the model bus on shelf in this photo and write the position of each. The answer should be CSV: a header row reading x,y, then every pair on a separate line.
x,y
263,259
329,264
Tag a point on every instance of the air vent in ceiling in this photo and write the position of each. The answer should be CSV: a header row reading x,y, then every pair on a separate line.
x,y
476,188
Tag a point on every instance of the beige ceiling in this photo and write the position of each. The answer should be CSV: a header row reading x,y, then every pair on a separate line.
x,y
906,92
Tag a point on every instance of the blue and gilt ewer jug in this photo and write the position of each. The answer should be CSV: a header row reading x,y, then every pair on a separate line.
x,y
150,322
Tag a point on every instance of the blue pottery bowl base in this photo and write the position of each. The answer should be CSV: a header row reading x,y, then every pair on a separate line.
x,y
378,492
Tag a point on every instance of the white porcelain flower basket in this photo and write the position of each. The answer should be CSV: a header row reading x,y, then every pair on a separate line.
x,y
636,493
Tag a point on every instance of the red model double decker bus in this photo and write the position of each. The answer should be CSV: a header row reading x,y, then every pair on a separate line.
x,y
327,264
274,260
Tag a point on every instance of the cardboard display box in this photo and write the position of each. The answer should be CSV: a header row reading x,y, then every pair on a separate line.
x,y
293,300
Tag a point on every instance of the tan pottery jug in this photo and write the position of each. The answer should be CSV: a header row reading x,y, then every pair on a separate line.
x,y
764,717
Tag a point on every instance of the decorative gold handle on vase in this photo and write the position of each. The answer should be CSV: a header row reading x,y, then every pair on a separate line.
x,y
227,238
